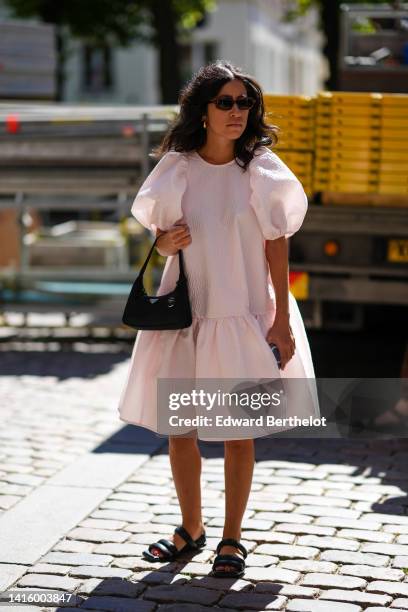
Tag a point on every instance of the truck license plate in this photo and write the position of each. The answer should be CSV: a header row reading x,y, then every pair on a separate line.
x,y
397,250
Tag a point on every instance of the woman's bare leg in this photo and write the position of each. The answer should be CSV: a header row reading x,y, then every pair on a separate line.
x,y
185,461
238,470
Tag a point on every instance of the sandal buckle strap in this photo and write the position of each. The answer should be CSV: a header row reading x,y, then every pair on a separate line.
x,y
183,533
232,542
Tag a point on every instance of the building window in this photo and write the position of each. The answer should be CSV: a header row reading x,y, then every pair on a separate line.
x,y
97,68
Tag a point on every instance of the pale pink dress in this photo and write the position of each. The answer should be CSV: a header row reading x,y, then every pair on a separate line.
x,y
230,213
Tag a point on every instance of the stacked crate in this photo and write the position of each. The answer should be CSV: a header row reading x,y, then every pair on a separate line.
x,y
393,168
348,142
294,115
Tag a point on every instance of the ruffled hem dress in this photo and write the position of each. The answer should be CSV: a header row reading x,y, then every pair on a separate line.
x,y
230,214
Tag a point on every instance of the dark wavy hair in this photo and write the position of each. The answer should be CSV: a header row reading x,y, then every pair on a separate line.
x,y
186,132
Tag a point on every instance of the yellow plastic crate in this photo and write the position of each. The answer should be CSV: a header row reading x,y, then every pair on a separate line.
x,y
350,187
349,97
348,143
363,176
393,189
393,144
288,100
294,123
396,100
338,132
395,122
394,178
349,165
349,156
394,166
325,110
347,122
393,155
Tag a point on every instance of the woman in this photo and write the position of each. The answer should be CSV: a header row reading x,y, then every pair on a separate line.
x,y
224,198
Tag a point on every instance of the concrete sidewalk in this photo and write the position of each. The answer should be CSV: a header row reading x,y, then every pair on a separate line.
x,y
82,495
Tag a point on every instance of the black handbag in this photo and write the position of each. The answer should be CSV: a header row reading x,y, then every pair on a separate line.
x,y
170,311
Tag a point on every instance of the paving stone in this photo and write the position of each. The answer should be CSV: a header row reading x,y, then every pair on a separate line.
x,y
123,515
328,511
288,551
271,574
400,603
111,586
374,573
399,529
138,563
304,605
9,573
36,523
187,607
49,568
77,558
98,535
74,546
338,521
330,580
307,529
195,568
401,562
386,518
24,479
327,542
260,560
305,565
293,517
112,504
371,536
253,601
354,495
182,593
102,524
288,590
117,604
270,536
151,577
342,556
7,501
322,501
119,550
210,582
402,539
49,581
377,609
90,571
392,588
385,549
356,597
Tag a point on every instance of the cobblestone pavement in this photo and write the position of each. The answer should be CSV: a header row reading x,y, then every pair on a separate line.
x,y
82,495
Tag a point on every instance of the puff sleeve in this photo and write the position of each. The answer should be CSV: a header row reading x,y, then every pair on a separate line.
x,y
158,201
277,196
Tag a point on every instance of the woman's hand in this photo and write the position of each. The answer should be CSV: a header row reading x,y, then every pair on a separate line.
x,y
281,334
175,238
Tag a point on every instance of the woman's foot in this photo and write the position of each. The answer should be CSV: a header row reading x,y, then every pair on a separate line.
x,y
177,540
229,550
235,548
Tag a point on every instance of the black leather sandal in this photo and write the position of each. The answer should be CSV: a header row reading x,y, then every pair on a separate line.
x,y
170,551
229,559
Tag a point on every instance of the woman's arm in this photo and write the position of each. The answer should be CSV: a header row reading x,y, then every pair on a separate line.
x,y
276,252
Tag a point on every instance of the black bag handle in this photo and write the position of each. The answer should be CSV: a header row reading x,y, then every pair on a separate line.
x,y
182,275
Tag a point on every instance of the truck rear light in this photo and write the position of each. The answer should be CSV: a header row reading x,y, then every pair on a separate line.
x,y
331,248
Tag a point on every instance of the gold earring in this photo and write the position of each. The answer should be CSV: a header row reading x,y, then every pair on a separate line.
x,y
204,124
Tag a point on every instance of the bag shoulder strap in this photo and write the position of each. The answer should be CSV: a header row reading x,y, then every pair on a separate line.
x,y
180,254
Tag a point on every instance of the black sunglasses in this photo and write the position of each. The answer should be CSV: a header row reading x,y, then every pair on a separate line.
x,y
227,102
